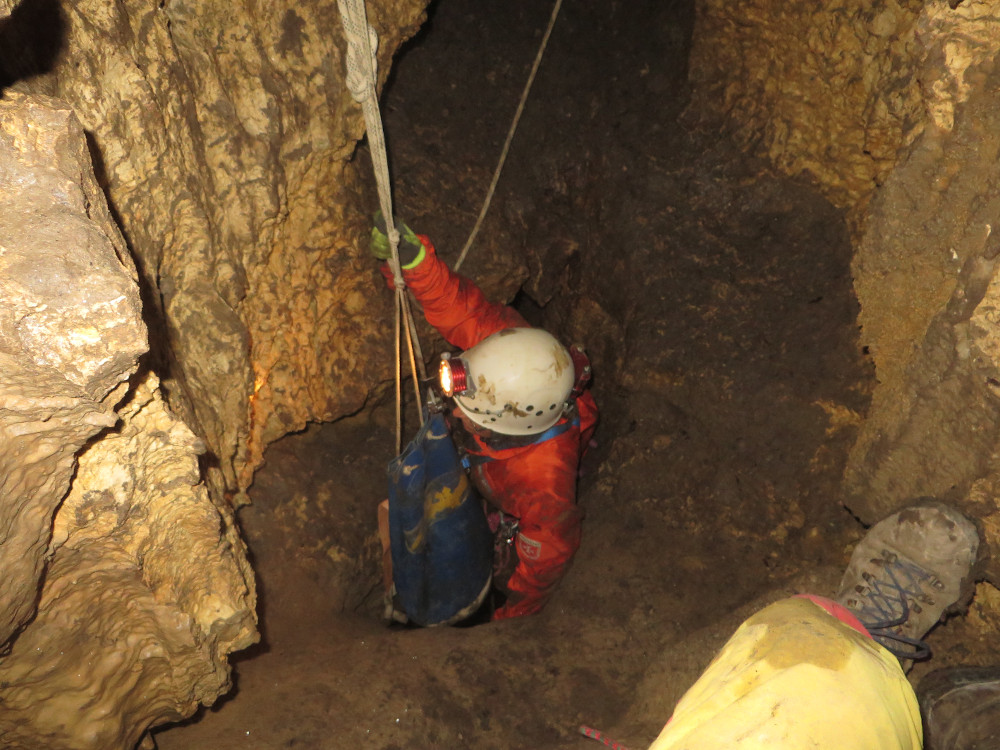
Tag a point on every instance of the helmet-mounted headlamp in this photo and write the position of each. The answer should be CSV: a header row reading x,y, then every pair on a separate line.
x,y
453,375
517,381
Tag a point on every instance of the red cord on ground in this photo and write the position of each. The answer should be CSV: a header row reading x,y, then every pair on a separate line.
x,y
596,735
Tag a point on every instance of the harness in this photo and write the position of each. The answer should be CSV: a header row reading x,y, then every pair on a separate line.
x,y
474,460
503,526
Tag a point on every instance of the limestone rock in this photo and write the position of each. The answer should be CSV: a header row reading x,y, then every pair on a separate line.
x,y
226,137
889,106
926,277
147,592
826,88
121,599
70,332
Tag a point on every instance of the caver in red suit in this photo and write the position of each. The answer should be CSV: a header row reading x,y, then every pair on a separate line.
x,y
524,459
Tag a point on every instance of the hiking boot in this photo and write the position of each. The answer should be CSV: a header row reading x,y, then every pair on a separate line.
x,y
906,572
961,708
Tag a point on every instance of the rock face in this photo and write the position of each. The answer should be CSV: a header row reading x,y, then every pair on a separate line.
x,y
822,88
107,626
926,278
71,332
129,633
225,135
891,106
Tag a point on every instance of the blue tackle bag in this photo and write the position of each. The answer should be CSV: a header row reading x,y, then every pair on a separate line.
x,y
441,545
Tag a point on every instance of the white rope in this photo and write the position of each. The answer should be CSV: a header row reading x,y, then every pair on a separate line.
x,y
362,44
510,136
362,64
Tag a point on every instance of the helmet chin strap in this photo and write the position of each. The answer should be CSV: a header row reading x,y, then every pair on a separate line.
x,y
465,432
458,417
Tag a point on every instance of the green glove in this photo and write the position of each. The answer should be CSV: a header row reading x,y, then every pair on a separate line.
x,y
410,249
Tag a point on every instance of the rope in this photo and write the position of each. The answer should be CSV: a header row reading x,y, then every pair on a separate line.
x,y
398,372
415,340
361,63
362,44
411,337
510,136
599,736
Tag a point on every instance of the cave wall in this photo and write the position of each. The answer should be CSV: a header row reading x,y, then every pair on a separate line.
x,y
129,634
925,275
224,135
186,168
106,626
892,108
821,88
61,309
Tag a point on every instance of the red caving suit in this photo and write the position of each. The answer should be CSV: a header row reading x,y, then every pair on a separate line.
x,y
534,483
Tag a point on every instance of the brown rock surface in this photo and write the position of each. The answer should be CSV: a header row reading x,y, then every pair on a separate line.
x,y
925,274
147,593
891,107
70,332
225,136
821,88
108,625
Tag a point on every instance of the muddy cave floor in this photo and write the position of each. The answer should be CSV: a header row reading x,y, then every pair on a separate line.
x,y
731,390
696,516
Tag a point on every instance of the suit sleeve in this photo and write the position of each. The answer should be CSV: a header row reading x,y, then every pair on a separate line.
x,y
454,305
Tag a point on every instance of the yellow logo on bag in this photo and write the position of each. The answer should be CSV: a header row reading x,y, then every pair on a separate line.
x,y
437,505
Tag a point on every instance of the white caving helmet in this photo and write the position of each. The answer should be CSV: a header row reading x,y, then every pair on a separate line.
x,y
515,382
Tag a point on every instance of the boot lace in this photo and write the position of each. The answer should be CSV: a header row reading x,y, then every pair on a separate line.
x,y
885,607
